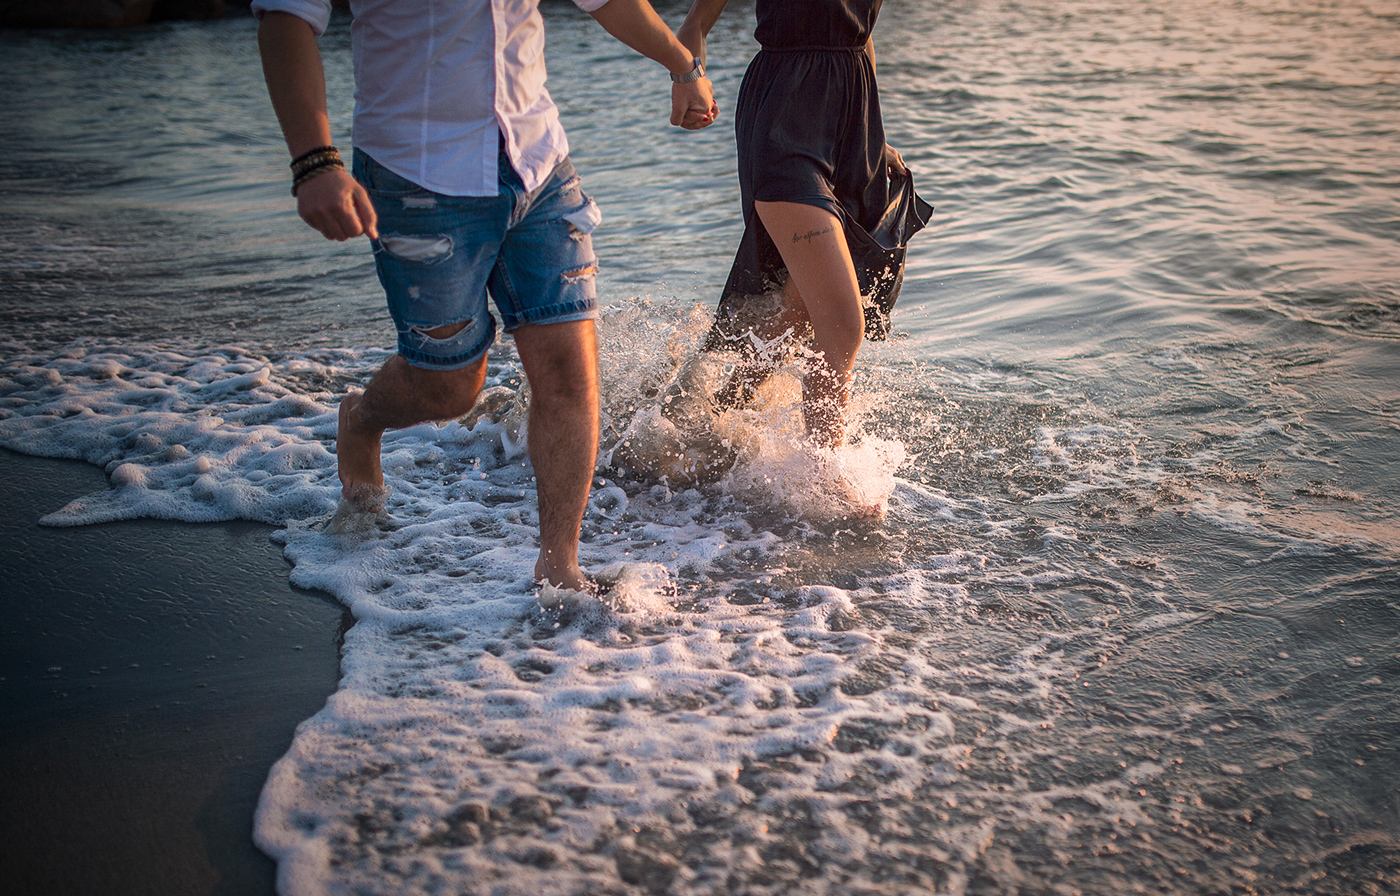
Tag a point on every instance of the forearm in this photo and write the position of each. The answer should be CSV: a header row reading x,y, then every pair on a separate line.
x,y
638,26
328,200
296,81
702,17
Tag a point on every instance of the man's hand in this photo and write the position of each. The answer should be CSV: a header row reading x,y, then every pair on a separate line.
x,y
698,22
693,105
331,201
336,205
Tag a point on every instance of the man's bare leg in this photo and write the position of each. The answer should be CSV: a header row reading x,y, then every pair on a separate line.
x,y
813,246
399,395
561,363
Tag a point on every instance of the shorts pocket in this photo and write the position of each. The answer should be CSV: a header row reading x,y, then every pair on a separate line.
x,y
582,221
433,248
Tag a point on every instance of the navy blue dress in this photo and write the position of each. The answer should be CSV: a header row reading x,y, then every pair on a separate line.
x,y
809,130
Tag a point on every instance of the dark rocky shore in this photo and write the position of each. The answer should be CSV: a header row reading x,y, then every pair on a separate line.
x,y
114,13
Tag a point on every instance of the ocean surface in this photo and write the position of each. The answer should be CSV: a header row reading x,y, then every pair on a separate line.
x,y
1130,624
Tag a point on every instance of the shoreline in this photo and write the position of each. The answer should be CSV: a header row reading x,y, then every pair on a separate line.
x,y
151,672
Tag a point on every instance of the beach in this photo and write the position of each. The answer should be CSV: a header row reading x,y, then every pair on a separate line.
x,y
151,674
1129,622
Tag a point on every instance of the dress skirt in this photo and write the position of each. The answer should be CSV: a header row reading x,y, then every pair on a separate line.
x,y
809,131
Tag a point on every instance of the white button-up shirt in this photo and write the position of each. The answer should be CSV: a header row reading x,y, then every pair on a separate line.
x,y
437,80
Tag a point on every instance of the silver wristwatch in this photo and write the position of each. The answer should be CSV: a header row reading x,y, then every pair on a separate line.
x,y
695,74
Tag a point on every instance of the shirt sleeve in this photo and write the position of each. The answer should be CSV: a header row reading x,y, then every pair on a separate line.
x,y
589,5
316,13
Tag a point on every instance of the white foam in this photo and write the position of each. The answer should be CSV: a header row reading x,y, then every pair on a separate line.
x,y
699,722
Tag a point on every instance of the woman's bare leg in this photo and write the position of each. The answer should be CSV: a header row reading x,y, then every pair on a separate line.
x,y
822,281
790,322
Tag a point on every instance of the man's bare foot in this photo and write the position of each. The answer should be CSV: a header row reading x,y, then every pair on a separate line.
x,y
568,577
351,519
357,459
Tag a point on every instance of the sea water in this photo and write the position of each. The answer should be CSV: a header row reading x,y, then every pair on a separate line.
x,y
1129,623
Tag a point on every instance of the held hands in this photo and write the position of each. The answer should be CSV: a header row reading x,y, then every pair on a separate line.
x,y
696,114
693,105
337,206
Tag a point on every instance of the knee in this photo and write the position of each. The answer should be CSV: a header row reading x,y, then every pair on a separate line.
x,y
561,363
574,390
466,388
451,393
565,381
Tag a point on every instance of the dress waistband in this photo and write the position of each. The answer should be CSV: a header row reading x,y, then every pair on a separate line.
x,y
859,49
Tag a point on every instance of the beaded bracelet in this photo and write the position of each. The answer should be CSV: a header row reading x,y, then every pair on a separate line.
x,y
309,173
317,160
314,159
313,151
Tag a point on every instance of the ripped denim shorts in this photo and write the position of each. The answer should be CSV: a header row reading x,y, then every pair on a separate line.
x,y
438,256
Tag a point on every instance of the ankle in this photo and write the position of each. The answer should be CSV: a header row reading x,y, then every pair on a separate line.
x,y
561,575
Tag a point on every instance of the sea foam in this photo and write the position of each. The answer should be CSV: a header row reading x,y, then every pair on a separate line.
x,y
766,699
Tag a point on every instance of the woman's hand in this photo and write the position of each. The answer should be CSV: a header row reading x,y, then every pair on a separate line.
x,y
693,105
894,162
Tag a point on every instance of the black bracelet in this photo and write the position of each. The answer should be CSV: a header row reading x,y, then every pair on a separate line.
x,y
312,152
313,171
316,160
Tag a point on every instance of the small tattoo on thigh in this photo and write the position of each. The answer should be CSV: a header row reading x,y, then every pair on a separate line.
x,y
810,235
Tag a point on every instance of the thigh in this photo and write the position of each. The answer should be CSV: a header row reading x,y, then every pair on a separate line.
x,y
547,271
434,256
813,245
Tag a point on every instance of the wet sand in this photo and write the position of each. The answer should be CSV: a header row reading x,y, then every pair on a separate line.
x,y
150,674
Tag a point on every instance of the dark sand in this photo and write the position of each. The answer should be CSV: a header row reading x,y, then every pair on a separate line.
x,y
150,674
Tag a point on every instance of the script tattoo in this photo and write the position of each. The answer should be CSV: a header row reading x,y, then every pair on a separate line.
x,y
798,237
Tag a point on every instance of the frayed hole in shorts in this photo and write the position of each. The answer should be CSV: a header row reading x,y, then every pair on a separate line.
x,y
579,275
417,248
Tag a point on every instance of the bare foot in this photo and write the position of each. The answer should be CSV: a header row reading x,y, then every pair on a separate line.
x,y
867,513
568,577
349,519
854,503
357,459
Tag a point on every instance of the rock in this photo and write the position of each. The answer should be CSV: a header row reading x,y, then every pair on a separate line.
x,y
104,13
651,872
74,13
164,10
